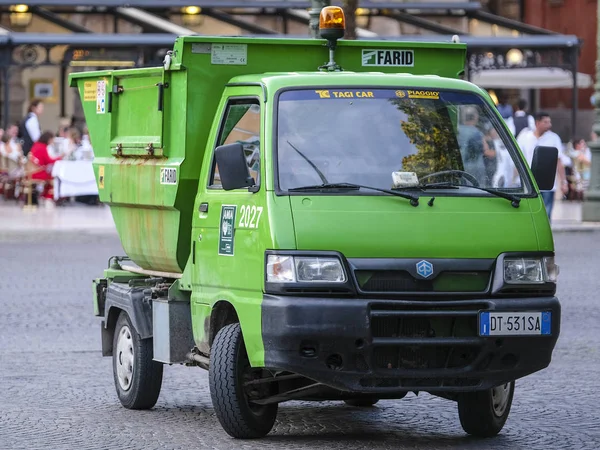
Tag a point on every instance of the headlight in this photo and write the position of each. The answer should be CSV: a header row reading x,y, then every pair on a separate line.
x,y
530,270
304,269
328,270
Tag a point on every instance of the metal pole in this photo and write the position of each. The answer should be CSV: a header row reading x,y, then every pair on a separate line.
x,y
6,82
574,70
63,82
315,11
285,22
591,198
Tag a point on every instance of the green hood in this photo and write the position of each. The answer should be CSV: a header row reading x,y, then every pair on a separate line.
x,y
388,227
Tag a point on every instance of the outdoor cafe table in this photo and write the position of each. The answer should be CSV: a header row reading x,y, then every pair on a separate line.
x,y
73,178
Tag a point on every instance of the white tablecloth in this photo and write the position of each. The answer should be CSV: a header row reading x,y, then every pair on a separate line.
x,y
73,178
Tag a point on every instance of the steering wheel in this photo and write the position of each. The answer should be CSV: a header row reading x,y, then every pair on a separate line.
x,y
466,175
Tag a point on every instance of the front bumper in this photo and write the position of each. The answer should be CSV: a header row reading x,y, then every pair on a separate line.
x,y
387,346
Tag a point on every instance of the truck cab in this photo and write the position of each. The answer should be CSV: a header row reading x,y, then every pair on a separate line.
x,y
352,234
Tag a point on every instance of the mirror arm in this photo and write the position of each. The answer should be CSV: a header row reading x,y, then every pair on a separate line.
x,y
254,188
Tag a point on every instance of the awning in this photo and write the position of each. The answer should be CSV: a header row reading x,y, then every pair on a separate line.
x,y
532,78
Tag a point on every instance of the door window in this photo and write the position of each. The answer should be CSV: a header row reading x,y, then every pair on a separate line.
x,y
241,124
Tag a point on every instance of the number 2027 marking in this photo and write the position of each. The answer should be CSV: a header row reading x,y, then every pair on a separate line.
x,y
250,216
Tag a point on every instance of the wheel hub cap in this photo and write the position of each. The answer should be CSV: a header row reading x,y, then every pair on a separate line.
x,y
125,358
500,395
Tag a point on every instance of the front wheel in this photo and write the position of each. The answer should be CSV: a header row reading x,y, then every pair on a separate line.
x,y
229,375
484,413
138,378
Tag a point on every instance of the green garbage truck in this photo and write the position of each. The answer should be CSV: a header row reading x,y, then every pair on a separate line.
x,y
319,219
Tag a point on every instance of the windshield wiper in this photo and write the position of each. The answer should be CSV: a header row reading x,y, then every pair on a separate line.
x,y
312,164
414,199
515,200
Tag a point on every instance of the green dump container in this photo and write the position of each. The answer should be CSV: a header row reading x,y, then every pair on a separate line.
x,y
149,127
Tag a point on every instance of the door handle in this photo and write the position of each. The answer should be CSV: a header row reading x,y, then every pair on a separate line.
x,y
203,207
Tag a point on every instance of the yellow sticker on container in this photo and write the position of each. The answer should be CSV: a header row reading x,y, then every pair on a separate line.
x,y
89,91
101,177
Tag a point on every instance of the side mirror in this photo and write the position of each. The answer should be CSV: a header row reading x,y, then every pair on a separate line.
x,y
233,168
543,166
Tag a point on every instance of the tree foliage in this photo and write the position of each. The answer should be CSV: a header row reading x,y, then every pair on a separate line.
x,y
431,131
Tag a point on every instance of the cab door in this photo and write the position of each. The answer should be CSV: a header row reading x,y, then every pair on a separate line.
x,y
228,256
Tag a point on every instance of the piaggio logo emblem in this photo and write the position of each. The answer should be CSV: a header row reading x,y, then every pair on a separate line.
x,y
425,269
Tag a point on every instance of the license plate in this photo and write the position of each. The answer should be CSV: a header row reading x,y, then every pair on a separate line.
x,y
514,323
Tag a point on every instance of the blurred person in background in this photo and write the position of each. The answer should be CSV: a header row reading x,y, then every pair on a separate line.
x,y
75,144
490,154
86,152
61,143
520,120
581,156
504,108
11,146
15,144
29,129
472,143
14,168
542,136
40,155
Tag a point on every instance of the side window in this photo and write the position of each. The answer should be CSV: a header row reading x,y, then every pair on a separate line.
x,y
242,124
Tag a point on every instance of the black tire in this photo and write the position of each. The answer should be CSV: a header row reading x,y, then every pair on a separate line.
x,y
141,379
484,413
361,402
228,362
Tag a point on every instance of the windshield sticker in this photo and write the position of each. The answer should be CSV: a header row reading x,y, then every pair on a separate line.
x,y
323,94
388,58
345,94
361,94
434,95
226,231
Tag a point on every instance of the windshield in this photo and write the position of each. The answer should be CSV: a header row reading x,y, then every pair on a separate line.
x,y
392,139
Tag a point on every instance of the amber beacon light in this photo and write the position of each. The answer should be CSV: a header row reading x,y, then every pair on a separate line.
x,y
332,23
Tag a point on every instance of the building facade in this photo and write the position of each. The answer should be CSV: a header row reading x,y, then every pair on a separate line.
x,y
564,16
578,17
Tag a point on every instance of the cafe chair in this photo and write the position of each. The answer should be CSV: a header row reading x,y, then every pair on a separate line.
x,y
29,184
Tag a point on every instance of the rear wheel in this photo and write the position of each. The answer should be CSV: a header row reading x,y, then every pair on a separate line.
x,y
229,370
484,413
361,402
138,378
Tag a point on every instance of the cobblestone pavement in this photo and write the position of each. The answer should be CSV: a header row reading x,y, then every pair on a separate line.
x,y
57,392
